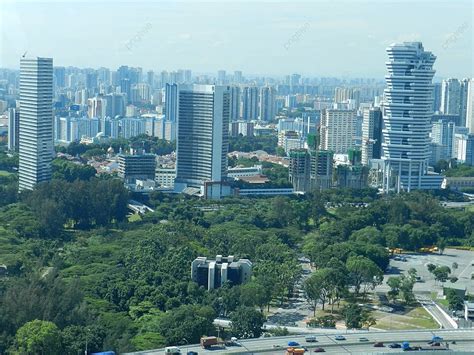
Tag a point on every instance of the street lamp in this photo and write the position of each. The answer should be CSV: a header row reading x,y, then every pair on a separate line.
x,y
87,333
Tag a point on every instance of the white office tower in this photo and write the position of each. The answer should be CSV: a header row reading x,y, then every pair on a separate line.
x,y
267,103
203,139
337,130
407,114
36,121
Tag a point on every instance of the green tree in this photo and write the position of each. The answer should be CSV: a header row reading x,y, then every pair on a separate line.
x,y
394,283
441,273
363,272
38,337
246,322
189,322
313,287
431,267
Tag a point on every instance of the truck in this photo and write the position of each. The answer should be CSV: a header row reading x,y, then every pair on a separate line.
x,y
435,346
172,350
294,351
207,342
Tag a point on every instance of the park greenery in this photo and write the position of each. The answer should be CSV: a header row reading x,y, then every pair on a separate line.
x,y
79,271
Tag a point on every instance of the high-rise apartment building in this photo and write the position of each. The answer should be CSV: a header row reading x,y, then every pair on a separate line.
x,y
97,107
407,118
36,121
221,77
267,103
171,102
371,134
470,106
442,134
13,129
451,96
202,139
250,103
337,130
235,103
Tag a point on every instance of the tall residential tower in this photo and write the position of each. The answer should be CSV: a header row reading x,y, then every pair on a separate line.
x,y
407,114
36,121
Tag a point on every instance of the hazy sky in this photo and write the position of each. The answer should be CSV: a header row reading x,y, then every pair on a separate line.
x,y
327,38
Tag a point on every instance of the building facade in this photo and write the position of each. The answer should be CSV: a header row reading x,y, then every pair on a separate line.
x,y
36,121
203,139
212,274
337,130
372,122
407,118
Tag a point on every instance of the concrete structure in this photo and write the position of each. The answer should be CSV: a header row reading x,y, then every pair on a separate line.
x,y
203,139
337,130
36,121
469,310
239,172
244,128
165,176
212,274
136,166
250,103
451,96
407,115
299,170
234,104
97,107
470,106
171,102
371,134
267,103
442,133
13,129
470,150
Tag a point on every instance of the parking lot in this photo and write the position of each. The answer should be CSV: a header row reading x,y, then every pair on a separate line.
x,y
465,269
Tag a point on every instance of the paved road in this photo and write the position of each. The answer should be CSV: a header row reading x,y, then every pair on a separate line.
x,y
463,337
440,317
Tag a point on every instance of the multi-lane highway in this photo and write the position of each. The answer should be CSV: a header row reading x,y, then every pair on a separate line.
x,y
352,345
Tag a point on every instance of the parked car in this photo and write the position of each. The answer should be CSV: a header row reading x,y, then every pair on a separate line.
x,y
311,339
340,337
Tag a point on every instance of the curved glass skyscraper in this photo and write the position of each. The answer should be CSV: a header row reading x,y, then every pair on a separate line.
x,y
407,118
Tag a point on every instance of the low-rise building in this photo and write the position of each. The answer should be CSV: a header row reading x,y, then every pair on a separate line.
x,y
136,166
213,274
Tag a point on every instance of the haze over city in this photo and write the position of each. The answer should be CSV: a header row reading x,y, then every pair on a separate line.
x,y
317,38
236,177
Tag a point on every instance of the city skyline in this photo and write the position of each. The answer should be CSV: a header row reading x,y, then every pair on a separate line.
x,y
206,41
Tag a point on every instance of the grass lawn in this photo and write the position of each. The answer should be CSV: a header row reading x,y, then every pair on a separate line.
x,y
5,173
416,318
134,218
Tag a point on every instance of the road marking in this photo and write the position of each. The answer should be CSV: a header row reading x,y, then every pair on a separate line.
x,y
467,267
